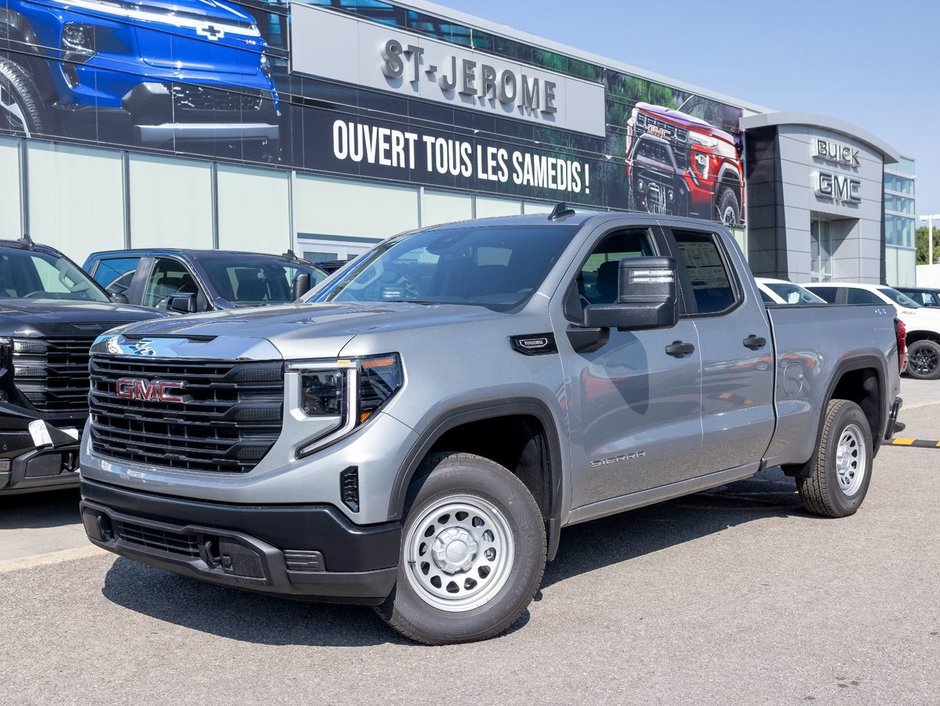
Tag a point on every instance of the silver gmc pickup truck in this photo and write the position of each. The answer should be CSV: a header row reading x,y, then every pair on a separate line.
x,y
415,435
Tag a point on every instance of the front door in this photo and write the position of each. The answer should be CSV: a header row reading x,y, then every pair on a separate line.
x,y
634,409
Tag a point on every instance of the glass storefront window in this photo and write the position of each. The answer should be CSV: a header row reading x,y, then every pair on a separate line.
x,y
901,204
820,244
902,185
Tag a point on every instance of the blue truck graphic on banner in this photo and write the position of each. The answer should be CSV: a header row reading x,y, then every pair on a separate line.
x,y
158,74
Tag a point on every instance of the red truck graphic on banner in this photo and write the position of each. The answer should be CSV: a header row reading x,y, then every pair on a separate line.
x,y
686,161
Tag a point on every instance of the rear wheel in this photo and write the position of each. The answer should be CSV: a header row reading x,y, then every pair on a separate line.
x,y
923,360
21,108
840,470
472,555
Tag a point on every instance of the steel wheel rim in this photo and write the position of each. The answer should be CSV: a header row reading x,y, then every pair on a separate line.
x,y
851,460
924,361
459,553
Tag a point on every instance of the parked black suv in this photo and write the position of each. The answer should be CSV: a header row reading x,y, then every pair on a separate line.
x,y
50,313
922,295
188,281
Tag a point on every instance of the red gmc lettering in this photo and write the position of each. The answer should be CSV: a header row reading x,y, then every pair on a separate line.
x,y
148,390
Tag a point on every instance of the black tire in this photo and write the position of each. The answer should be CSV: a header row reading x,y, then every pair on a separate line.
x,y
728,207
21,108
837,486
923,360
492,501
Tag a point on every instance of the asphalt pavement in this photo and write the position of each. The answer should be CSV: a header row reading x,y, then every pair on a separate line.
x,y
734,596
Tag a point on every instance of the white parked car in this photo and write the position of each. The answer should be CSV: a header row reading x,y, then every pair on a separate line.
x,y
922,322
781,291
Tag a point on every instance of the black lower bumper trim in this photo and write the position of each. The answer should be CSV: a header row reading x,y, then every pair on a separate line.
x,y
245,545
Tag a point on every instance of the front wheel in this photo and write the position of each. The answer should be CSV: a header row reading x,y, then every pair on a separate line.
x,y
923,360
840,470
728,207
21,108
472,556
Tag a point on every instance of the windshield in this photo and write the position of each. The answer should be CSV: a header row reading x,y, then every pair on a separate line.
x,y
898,298
793,293
498,267
245,281
31,274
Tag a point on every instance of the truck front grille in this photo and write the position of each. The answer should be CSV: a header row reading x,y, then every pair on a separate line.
x,y
187,97
168,541
52,373
677,137
220,416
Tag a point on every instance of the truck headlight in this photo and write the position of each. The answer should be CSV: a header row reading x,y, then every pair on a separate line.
x,y
704,140
344,394
78,41
322,393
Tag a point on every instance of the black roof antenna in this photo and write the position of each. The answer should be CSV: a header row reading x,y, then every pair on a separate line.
x,y
27,241
560,211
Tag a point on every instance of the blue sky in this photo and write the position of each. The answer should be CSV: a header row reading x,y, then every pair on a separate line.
x,y
875,65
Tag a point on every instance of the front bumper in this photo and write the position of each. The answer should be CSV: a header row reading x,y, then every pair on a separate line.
x,y
300,550
28,466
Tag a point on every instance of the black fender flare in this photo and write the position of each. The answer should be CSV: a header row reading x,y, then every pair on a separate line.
x,y
475,412
802,470
728,175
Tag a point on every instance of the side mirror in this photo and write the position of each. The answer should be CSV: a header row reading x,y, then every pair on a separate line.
x,y
300,285
119,298
182,303
646,297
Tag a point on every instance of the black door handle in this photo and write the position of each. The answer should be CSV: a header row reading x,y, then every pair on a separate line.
x,y
754,342
679,349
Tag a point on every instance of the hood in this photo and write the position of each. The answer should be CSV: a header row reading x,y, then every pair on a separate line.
x,y
296,331
685,120
38,317
201,9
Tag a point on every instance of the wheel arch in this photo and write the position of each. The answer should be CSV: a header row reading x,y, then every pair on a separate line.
x,y
921,335
862,380
511,425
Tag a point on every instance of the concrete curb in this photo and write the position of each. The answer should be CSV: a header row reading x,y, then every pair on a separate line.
x,y
917,443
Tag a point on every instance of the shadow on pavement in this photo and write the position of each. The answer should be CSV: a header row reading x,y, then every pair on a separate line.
x,y
264,619
36,510
611,540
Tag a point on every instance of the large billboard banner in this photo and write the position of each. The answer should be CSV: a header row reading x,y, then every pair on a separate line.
x,y
366,89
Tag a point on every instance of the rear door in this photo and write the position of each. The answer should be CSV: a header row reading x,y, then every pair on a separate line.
x,y
737,354
634,408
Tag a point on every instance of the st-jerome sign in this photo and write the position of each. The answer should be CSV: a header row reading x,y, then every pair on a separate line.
x,y
341,48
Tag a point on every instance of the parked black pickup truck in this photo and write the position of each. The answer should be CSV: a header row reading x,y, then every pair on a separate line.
x,y
50,312
188,281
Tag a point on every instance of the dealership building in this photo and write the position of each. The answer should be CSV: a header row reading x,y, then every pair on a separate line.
x,y
325,127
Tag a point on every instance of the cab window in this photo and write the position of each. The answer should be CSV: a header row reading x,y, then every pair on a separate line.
x,y
167,278
700,255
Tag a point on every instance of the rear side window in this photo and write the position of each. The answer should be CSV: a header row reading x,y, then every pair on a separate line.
x,y
701,256
862,296
828,294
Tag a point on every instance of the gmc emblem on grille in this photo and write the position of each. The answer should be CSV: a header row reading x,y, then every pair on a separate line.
x,y
148,390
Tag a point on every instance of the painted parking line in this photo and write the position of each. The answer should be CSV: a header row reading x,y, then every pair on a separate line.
x,y
918,443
